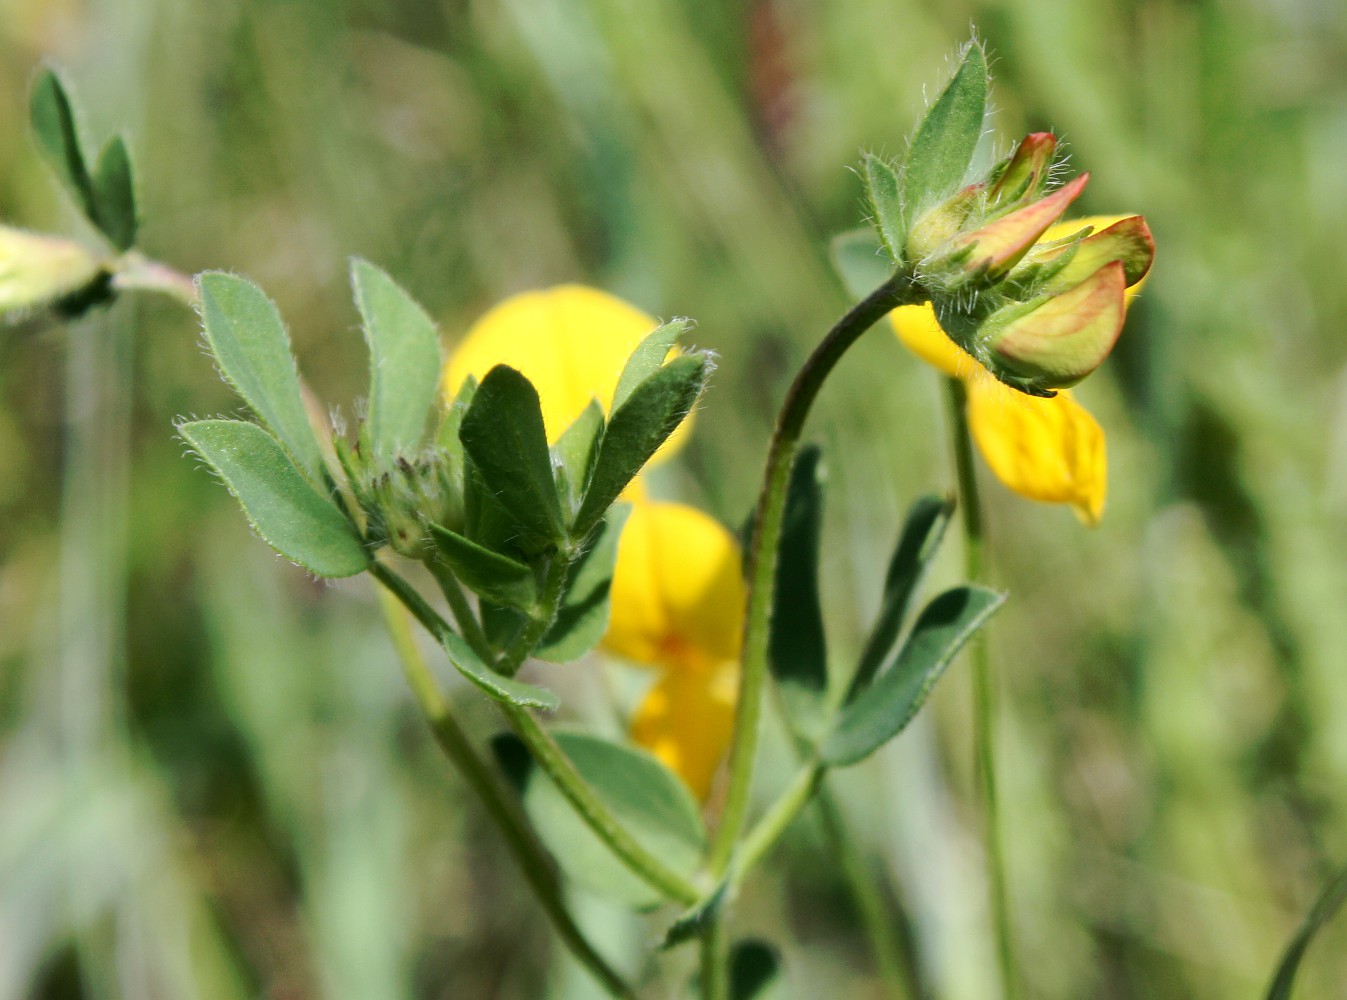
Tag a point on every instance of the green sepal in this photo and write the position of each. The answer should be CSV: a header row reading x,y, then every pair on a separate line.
x,y
404,362
948,135
281,505
859,258
497,686
583,616
884,709
648,358
503,434
886,204
922,533
248,339
486,573
755,971
574,455
797,645
637,429
644,796
114,189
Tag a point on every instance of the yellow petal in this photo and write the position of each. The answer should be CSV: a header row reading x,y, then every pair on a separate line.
x,y
677,599
920,331
686,721
1045,449
570,341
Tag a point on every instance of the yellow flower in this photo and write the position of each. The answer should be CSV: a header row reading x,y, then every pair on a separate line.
x,y
570,341
1044,449
677,605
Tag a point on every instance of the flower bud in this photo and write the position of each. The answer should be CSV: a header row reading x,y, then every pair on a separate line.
x,y
999,245
1054,341
1024,174
43,272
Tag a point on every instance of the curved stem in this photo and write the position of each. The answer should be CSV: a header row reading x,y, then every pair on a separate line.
x,y
519,839
762,836
136,272
984,691
898,290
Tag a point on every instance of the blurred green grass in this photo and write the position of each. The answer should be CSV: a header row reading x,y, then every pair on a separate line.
x,y
211,781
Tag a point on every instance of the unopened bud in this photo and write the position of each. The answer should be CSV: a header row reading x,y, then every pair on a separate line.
x,y
43,272
1025,173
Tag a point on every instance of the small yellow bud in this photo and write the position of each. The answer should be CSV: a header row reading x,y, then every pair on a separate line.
x,y
40,272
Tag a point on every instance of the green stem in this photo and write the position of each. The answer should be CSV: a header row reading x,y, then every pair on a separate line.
x,y
762,837
984,691
461,609
520,840
548,605
597,816
762,553
136,272
554,762
715,978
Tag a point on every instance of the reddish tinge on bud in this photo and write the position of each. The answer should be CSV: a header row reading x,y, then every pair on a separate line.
x,y
999,245
1026,172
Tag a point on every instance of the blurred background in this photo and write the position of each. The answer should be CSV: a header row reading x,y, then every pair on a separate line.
x,y
212,781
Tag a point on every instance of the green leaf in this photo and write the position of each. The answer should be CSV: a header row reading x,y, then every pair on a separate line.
x,y
489,574
583,617
755,970
881,187
858,258
948,135
404,361
917,544
648,358
115,195
452,417
884,709
638,428
246,335
52,115
692,922
797,644
498,686
503,434
644,795
575,452
290,515
485,521
1325,908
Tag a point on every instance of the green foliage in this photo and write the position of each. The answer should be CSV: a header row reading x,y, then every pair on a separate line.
x,y
755,971
583,615
945,140
486,679
404,362
575,452
798,646
282,506
886,204
503,434
648,358
1325,908
643,795
106,197
858,258
883,710
248,338
492,575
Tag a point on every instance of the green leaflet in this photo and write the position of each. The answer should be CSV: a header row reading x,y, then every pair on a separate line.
x,y
498,686
583,616
491,575
282,506
947,136
648,358
886,202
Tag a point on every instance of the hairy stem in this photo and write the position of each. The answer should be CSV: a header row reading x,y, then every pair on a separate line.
x,y
984,690
762,553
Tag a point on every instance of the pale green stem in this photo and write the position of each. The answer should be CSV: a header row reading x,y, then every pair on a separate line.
x,y
762,837
715,978
984,690
762,553
554,762
468,625
519,838
549,603
136,272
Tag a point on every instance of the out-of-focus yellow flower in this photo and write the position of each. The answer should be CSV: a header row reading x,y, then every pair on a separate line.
x,y
570,341
677,605
1044,449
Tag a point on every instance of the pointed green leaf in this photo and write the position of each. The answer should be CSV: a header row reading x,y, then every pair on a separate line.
x,y
859,259
755,971
881,187
575,452
638,428
885,708
644,795
583,617
404,361
503,433
452,417
290,515
489,574
1327,905
797,645
692,922
498,686
947,137
648,358
115,195
52,115
248,338
921,535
